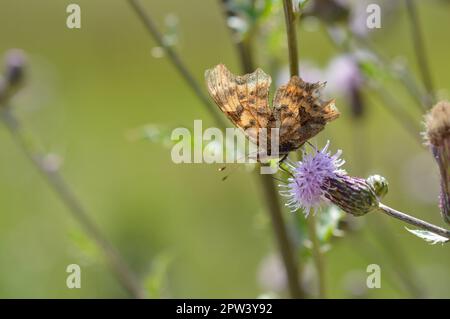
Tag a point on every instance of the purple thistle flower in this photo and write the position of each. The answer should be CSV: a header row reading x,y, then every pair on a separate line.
x,y
319,179
305,189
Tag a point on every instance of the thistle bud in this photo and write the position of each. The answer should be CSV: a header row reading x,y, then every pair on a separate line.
x,y
379,184
13,77
352,194
15,65
437,134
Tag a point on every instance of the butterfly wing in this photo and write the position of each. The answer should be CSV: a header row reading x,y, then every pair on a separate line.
x,y
243,99
299,113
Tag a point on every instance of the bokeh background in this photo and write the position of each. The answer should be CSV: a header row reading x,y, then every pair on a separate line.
x,y
184,231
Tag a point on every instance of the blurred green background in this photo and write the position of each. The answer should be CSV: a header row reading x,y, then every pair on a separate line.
x,y
194,235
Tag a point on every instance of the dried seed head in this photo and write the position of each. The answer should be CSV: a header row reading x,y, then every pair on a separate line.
x,y
437,123
437,133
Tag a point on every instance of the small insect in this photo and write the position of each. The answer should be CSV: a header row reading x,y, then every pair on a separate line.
x,y
298,111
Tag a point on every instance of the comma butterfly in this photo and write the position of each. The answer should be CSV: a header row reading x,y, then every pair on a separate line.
x,y
298,111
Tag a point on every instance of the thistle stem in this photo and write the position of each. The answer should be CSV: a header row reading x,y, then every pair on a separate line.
x,y
243,44
317,254
54,179
291,32
406,121
414,221
269,191
405,75
268,186
419,49
387,100
284,243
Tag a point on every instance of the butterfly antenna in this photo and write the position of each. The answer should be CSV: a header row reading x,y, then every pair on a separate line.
x,y
224,178
286,171
283,159
312,145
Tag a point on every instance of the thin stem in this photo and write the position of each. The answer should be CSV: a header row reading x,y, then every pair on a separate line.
x,y
242,43
317,254
267,183
414,221
57,183
284,243
291,32
419,49
387,99
269,190
405,273
404,75
152,29
403,118
398,260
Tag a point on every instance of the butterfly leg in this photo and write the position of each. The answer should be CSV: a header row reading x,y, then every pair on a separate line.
x,y
283,158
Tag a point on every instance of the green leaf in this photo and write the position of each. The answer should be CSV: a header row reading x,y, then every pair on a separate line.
x,y
154,133
328,221
156,279
302,4
84,247
428,236
373,70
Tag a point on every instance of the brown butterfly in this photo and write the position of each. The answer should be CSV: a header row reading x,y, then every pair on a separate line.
x,y
298,112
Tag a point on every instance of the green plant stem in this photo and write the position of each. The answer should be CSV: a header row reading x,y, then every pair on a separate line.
x,y
388,101
405,273
54,179
243,44
403,118
419,49
414,221
269,190
398,260
317,255
284,243
268,187
152,29
291,33
405,75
